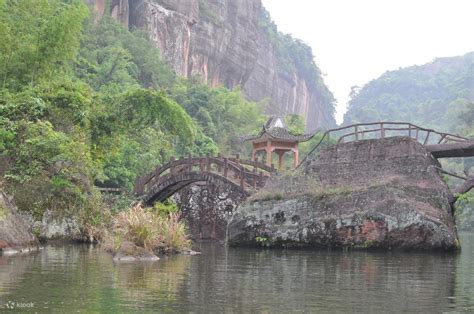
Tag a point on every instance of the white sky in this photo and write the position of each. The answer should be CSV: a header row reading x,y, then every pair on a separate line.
x,y
356,41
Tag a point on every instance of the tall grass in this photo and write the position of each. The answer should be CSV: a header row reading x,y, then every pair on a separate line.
x,y
151,230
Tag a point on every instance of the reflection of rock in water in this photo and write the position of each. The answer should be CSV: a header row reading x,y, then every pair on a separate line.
x,y
77,277
246,280
13,269
152,282
207,208
465,275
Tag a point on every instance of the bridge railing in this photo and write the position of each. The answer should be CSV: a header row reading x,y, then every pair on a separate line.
x,y
247,174
374,130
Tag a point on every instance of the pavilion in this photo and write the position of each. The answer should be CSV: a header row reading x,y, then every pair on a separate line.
x,y
275,137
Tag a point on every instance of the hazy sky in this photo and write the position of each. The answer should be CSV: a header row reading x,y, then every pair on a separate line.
x,y
356,41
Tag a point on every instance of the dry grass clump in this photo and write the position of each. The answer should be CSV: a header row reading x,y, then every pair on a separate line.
x,y
150,230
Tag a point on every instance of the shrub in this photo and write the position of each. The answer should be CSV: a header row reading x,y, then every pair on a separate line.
x,y
165,209
151,230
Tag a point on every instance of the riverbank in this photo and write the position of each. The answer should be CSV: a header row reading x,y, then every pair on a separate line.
x,y
134,234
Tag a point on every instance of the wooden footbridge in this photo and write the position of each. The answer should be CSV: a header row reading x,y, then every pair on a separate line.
x,y
439,144
249,176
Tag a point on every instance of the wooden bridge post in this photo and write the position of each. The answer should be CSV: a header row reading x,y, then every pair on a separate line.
x,y
237,157
201,163
226,167
219,169
409,130
254,178
190,163
138,189
442,138
172,168
356,133
382,130
208,163
426,138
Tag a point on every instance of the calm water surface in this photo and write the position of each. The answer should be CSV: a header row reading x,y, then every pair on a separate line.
x,y
79,278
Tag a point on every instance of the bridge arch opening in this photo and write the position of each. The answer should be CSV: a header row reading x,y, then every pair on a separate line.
x,y
207,189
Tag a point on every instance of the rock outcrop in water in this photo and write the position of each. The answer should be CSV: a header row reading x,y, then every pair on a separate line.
x,y
235,44
15,236
383,193
207,208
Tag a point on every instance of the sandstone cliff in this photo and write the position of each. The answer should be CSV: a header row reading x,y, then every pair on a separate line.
x,y
233,43
369,194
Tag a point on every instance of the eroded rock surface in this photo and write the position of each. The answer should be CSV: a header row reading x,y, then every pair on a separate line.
x,y
207,208
382,193
15,236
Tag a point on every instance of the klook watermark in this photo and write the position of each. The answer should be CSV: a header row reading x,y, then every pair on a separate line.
x,y
18,305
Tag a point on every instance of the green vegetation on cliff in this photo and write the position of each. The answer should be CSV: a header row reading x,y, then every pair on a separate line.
x,y
85,104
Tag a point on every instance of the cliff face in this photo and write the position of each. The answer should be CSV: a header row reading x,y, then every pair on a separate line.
x,y
369,194
223,42
15,236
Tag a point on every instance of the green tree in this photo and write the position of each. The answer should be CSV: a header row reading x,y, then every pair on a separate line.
x,y
38,39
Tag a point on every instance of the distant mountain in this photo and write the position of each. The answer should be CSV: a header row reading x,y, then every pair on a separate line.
x,y
438,94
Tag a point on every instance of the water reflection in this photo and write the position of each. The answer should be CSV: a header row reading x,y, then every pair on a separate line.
x,y
83,278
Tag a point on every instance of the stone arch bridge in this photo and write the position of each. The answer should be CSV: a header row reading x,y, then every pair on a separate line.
x,y
209,176
245,176
248,176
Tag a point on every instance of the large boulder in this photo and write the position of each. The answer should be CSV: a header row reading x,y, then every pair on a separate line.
x,y
56,227
383,193
15,236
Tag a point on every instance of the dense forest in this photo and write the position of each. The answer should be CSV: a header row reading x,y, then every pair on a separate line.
x,y
438,95
86,104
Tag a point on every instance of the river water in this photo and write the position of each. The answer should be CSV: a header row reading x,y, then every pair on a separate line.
x,y
82,278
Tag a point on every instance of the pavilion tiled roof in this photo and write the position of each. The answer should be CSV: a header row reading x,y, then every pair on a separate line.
x,y
277,129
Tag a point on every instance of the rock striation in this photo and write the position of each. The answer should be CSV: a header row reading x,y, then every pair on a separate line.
x,y
15,236
207,208
224,43
383,193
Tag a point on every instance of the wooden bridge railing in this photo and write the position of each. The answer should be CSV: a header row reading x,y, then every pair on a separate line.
x,y
383,129
248,174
